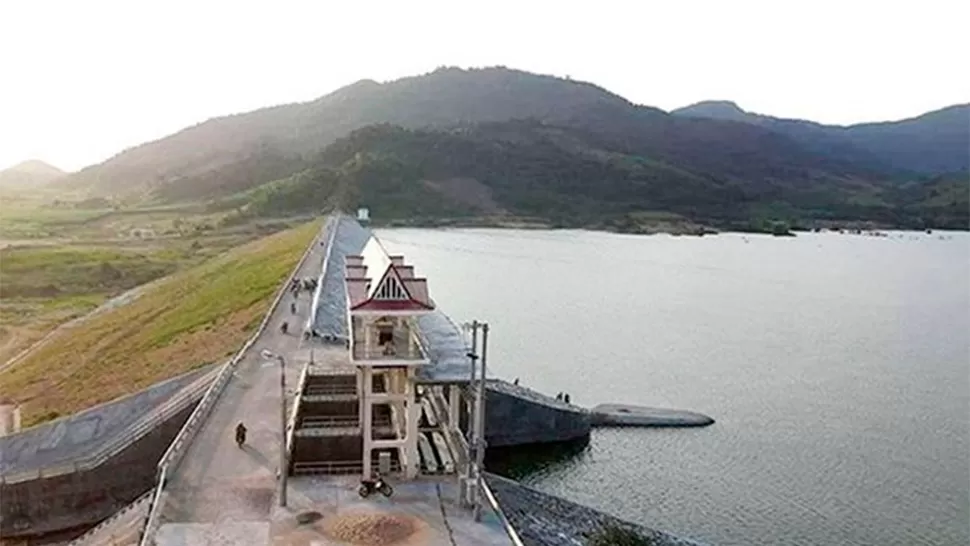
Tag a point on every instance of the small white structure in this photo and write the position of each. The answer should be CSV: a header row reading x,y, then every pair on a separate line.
x,y
9,418
384,300
363,215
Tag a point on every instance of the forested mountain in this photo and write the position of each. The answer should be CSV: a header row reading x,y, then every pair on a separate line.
x,y
516,142
569,177
935,142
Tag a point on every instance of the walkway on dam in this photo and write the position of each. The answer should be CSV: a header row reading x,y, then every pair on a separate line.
x,y
216,480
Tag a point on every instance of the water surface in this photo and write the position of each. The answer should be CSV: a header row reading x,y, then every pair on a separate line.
x,y
836,367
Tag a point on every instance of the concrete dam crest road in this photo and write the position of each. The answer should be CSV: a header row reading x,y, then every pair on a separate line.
x,y
218,481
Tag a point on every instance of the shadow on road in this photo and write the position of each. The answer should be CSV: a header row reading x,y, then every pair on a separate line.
x,y
254,454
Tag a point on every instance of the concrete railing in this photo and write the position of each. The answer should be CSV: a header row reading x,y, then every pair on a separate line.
x,y
295,411
361,351
493,502
176,451
119,442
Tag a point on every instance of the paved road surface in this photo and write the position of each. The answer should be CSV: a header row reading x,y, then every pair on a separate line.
x,y
218,481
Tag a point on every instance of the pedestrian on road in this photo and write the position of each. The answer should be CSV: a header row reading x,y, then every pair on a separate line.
x,y
240,434
293,308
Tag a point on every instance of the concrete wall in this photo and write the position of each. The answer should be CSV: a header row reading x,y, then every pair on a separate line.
x,y
51,504
515,415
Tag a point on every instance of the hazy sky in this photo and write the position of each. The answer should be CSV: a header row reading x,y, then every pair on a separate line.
x,y
80,80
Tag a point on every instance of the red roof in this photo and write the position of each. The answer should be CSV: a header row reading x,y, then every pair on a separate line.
x,y
395,290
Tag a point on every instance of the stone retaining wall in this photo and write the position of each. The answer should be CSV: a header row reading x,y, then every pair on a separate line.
x,y
546,520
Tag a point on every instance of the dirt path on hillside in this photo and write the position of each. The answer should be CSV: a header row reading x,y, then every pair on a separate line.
x,y
8,345
12,338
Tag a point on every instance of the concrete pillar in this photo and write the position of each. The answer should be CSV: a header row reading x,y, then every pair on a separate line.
x,y
368,411
414,414
412,345
454,406
360,397
366,326
400,381
390,386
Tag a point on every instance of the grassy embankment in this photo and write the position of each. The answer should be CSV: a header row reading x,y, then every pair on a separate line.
x,y
197,316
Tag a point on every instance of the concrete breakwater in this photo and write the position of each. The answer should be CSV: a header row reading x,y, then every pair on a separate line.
x,y
516,415
621,415
540,519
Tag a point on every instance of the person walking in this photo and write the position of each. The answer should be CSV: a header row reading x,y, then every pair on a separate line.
x,y
240,434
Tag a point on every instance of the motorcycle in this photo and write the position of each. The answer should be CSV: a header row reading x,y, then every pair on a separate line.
x,y
293,308
240,435
369,486
284,327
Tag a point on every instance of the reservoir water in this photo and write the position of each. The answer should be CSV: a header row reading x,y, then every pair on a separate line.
x,y
836,367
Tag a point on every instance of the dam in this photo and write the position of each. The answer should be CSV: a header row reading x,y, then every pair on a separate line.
x,y
372,378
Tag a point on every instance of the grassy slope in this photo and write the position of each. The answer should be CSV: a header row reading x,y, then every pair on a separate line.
x,y
192,318
59,262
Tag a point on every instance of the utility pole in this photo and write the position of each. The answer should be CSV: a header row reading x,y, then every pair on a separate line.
x,y
473,355
466,477
480,440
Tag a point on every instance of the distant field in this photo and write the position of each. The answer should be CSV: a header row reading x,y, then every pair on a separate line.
x,y
43,286
197,316
61,259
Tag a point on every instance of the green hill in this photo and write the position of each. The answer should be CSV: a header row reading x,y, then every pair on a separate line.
x,y
564,176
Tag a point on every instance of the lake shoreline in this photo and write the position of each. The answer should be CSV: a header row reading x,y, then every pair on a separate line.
x,y
676,229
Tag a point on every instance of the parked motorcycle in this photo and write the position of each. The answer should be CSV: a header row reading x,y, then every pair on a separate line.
x,y
369,486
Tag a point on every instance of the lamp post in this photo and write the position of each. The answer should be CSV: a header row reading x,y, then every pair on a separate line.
x,y
283,462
